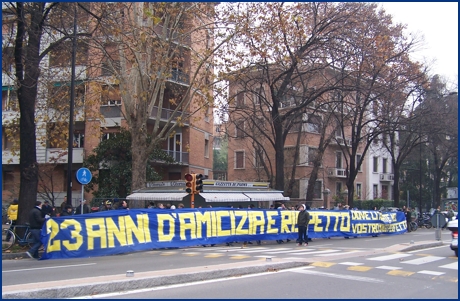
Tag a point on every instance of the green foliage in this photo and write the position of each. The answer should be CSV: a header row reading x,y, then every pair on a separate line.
x,y
112,159
220,158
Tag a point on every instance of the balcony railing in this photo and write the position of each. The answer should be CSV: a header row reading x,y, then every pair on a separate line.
x,y
337,172
387,177
166,114
179,157
179,77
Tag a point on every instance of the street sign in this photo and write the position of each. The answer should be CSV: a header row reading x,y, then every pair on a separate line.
x,y
84,176
438,220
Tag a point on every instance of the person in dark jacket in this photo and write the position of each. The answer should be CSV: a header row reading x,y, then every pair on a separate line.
x,y
303,218
68,211
36,221
85,208
48,209
123,205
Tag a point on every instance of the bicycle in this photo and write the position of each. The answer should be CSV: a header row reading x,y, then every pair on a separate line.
x,y
413,226
13,237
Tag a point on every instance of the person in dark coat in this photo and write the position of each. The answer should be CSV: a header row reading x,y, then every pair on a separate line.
x,y
303,218
36,221
48,209
85,208
68,211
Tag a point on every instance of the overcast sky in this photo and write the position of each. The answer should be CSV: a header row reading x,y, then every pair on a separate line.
x,y
438,23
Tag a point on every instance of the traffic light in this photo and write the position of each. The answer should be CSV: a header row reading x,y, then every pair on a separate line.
x,y
198,183
190,183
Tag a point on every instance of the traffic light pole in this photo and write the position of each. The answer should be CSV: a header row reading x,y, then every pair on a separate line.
x,y
192,200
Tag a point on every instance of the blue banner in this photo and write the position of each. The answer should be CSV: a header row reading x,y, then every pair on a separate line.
x,y
123,231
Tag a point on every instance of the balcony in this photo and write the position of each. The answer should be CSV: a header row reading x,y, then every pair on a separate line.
x,y
180,158
341,141
166,114
178,76
337,172
386,177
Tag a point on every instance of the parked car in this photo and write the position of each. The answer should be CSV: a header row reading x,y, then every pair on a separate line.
x,y
453,227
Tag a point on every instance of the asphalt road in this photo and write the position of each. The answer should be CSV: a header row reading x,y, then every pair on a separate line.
x,y
30,271
421,274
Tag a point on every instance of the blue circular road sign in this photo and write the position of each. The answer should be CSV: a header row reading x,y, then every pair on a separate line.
x,y
84,176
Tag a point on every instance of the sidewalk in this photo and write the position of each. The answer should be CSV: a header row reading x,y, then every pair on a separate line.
x,y
104,284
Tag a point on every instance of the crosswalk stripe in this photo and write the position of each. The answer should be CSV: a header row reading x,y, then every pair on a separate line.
x,y
351,263
359,268
339,253
431,273
291,251
349,277
423,260
323,264
315,252
453,266
389,257
400,273
385,267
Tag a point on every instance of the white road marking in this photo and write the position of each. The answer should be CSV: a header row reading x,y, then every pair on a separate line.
x,y
351,263
389,257
347,277
45,268
431,273
452,266
422,260
336,254
316,252
386,267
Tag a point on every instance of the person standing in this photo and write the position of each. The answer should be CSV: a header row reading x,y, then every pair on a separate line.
x,y
36,221
48,209
12,214
85,208
107,206
123,205
303,218
408,216
68,211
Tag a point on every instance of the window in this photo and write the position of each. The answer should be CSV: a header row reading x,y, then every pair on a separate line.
x,y
239,129
359,190
239,159
376,164
338,188
258,159
78,140
358,158
259,96
289,156
110,96
9,99
317,190
338,160
314,123
239,100
7,59
206,148
312,153
376,191
107,136
61,56
384,165
57,135
9,138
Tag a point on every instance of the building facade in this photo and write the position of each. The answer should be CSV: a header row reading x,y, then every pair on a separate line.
x,y
99,111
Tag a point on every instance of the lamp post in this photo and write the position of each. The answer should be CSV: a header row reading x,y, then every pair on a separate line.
x,y
72,102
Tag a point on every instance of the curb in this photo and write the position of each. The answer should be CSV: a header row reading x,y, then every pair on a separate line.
x,y
102,285
425,245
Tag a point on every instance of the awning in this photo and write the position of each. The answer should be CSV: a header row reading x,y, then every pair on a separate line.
x,y
157,196
266,196
224,197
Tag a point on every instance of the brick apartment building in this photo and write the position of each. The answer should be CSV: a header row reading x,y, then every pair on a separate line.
x,y
245,163
96,91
